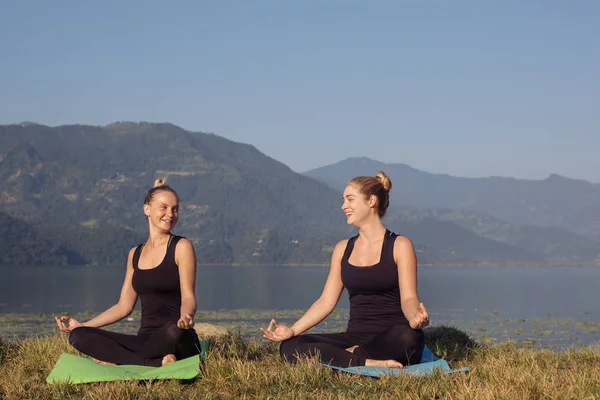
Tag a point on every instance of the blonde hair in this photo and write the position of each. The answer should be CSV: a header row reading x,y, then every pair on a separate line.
x,y
378,185
160,184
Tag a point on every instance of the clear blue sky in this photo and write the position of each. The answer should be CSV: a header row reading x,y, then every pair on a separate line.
x,y
469,88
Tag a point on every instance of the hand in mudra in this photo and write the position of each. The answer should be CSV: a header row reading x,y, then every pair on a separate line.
x,y
419,319
67,324
276,332
185,321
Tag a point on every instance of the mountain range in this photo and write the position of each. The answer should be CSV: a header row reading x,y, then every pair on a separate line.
x,y
552,202
73,195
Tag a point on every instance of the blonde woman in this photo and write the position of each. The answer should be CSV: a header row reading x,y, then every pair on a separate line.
x,y
379,270
162,272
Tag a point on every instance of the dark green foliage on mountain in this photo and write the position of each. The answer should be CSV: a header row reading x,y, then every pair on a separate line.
x,y
21,244
73,194
84,186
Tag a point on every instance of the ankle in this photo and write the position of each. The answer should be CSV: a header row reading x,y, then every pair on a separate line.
x,y
168,359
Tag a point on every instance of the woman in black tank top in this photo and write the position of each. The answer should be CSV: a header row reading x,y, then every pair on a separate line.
x,y
379,270
162,273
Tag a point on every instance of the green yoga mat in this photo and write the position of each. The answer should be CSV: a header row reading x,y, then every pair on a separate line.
x,y
73,369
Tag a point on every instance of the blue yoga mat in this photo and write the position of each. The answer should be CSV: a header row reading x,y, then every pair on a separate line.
x,y
429,364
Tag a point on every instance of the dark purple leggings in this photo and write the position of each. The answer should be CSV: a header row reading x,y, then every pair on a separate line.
x,y
125,349
400,343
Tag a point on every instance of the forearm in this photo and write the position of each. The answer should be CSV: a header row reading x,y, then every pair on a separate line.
x,y
410,306
110,316
188,306
315,314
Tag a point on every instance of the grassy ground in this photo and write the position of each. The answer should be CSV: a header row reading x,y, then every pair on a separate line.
x,y
246,368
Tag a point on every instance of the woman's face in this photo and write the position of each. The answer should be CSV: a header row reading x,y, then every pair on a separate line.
x,y
356,206
163,210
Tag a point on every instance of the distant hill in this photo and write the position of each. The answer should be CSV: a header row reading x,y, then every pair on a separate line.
x,y
455,244
73,194
556,245
553,202
237,202
22,244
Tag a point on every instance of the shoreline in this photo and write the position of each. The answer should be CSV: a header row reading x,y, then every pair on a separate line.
x,y
486,326
436,265
326,265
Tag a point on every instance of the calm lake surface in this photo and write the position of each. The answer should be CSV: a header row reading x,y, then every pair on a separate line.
x,y
531,305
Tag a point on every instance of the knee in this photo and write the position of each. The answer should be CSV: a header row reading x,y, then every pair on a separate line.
x,y
77,337
288,349
414,342
408,337
416,339
173,333
408,343
188,344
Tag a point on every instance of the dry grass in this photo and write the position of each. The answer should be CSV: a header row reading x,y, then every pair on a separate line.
x,y
241,368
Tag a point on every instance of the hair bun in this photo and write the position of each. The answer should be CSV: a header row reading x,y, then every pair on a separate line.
x,y
385,180
160,182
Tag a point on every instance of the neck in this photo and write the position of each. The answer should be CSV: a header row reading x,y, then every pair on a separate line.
x,y
158,238
372,230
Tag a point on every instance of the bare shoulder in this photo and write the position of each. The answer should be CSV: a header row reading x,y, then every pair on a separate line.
x,y
402,242
403,246
341,245
184,245
338,251
131,253
184,253
184,248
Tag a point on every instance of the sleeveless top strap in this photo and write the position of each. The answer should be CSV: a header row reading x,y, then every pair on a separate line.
x,y
170,254
387,250
173,240
136,255
349,248
387,253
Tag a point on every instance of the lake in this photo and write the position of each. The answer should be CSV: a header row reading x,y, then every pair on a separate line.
x,y
550,306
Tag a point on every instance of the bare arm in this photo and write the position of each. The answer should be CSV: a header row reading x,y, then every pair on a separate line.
x,y
320,308
329,297
413,309
126,302
185,257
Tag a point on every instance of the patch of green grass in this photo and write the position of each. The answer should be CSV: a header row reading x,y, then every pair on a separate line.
x,y
449,343
238,367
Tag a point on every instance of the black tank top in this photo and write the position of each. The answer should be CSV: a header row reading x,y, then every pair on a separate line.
x,y
158,289
374,291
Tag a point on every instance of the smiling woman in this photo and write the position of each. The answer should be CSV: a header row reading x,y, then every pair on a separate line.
x,y
379,270
162,272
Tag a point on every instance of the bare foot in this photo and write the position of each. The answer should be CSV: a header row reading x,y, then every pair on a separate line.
x,y
383,363
168,359
103,362
351,349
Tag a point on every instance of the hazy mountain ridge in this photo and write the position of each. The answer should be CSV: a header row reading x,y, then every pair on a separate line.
x,y
550,244
79,189
78,178
557,201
